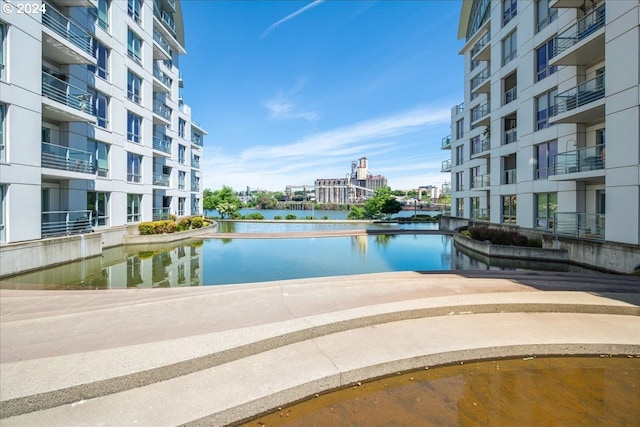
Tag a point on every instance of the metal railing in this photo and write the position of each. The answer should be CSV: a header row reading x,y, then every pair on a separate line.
x,y
159,214
458,108
480,44
509,176
511,95
66,28
478,147
195,162
446,142
544,222
584,93
481,215
582,225
162,110
581,160
510,136
160,75
64,158
157,37
542,173
481,181
161,179
480,78
162,143
197,124
66,222
134,177
479,112
446,165
69,95
583,28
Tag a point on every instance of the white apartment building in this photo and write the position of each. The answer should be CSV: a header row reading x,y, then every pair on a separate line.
x,y
548,136
94,132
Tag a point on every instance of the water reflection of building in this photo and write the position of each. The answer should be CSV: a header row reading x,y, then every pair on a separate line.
x,y
361,243
169,268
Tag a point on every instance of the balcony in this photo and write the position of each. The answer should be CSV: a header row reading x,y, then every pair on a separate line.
x,y
67,159
446,188
583,42
481,147
161,81
446,143
198,126
511,95
65,41
195,186
171,4
580,225
481,181
509,176
457,109
161,111
196,139
162,143
74,3
582,160
180,80
510,136
480,115
161,179
161,48
481,215
159,214
481,51
566,3
195,162
64,102
60,223
446,166
481,83
581,104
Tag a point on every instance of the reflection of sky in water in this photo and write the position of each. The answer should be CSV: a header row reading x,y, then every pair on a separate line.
x,y
286,227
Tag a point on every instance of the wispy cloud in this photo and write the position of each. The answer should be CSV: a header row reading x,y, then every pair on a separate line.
x,y
282,108
290,17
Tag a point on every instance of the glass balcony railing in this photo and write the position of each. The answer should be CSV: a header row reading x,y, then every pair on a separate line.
x,y
509,176
165,17
64,93
584,159
446,166
157,37
69,30
510,136
481,181
458,108
479,112
511,95
162,110
581,225
446,188
161,179
57,223
480,44
481,214
478,147
162,143
584,93
161,76
195,163
196,139
446,142
583,28
64,158
159,214
480,78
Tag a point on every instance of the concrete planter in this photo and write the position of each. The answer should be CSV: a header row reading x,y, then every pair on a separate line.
x,y
138,239
515,252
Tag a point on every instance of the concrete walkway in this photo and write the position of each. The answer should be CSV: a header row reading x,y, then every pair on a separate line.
x,y
216,355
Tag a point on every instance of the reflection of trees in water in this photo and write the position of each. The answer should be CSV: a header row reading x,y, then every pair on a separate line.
x,y
226,226
384,239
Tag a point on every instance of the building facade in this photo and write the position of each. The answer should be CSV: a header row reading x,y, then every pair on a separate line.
x,y
95,133
548,136
356,187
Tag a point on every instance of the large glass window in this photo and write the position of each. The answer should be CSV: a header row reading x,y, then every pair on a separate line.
x,y
100,108
182,176
134,46
134,167
103,14
134,127
509,48
2,213
545,14
509,209
459,128
3,151
459,155
460,207
2,49
181,205
543,55
101,53
134,85
98,204
545,159
459,181
545,107
509,10
134,8
480,13
101,150
181,154
546,207
181,128
133,207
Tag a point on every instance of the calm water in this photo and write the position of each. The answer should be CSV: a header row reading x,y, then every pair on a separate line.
x,y
319,214
230,261
568,391
298,226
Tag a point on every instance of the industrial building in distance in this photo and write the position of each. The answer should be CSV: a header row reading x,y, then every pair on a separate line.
x,y
356,187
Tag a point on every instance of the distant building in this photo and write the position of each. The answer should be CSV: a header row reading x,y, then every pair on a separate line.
x,y
432,191
356,187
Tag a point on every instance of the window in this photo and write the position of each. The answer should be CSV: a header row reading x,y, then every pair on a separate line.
x,y
181,154
509,48
459,181
475,207
98,204
510,129
545,108
195,182
510,84
546,207
134,47
101,53
133,207
3,215
134,85
543,55
2,49
459,128
101,151
3,151
459,155
509,209
103,14
133,9
100,107
181,128
195,162
545,14
460,207
182,176
545,159
134,125
134,163
509,10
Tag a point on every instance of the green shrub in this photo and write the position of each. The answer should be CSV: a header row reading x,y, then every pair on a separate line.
x,y
325,217
255,215
146,228
498,236
277,217
185,222
534,242
173,218
197,222
290,216
309,217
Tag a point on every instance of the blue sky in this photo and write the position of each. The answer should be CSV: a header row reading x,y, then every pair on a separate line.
x,y
291,91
